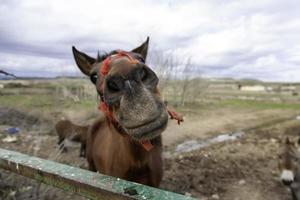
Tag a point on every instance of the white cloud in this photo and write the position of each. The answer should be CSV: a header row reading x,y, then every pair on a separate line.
x,y
230,38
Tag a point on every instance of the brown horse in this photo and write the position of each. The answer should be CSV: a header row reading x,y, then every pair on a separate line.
x,y
288,161
65,129
127,143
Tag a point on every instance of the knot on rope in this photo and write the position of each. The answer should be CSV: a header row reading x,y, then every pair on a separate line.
x,y
174,115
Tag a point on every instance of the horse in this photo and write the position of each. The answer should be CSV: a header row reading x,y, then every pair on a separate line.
x,y
288,164
288,161
127,143
65,129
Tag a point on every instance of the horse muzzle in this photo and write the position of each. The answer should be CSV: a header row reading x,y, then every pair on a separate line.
x,y
287,177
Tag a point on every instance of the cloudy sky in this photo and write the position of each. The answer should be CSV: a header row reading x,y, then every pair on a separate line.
x,y
240,39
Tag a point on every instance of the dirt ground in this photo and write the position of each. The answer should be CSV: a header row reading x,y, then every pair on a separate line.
x,y
241,169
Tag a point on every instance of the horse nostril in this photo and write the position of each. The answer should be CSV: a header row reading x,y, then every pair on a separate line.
x,y
287,182
121,117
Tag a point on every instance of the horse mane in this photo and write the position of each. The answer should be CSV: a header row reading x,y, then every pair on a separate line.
x,y
103,55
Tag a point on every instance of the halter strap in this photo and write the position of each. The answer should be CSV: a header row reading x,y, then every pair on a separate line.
x,y
106,63
104,107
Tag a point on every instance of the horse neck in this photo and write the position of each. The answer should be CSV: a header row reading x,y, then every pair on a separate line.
x,y
290,153
134,148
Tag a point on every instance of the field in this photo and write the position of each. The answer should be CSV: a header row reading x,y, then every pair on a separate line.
x,y
241,168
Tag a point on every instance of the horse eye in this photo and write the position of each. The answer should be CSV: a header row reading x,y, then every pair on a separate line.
x,y
112,86
141,59
94,78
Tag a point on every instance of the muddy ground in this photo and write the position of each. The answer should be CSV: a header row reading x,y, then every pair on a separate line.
x,y
242,169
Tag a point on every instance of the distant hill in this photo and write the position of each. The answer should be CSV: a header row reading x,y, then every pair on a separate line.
x,y
5,77
71,77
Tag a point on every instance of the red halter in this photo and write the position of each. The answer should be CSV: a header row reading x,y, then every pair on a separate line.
x,y
106,109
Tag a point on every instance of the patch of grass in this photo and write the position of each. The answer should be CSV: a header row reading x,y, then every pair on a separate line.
x,y
258,104
232,104
26,101
84,105
45,103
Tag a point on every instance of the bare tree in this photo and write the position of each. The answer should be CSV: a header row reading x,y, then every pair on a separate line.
x,y
186,81
177,79
165,64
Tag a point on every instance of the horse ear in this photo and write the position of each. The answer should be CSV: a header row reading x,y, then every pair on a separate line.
x,y
287,140
83,61
142,49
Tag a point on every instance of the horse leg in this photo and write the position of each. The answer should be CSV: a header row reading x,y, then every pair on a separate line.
x,y
89,158
60,140
82,150
92,167
154,178
62,145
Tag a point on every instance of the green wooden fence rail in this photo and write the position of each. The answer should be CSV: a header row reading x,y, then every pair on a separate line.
x,y
82,182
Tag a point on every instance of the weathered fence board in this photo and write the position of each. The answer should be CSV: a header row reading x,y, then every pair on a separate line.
x,y
85,183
